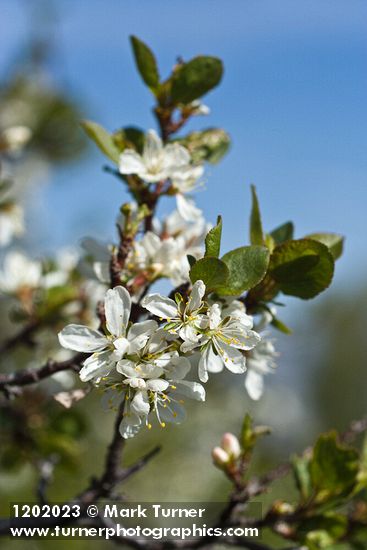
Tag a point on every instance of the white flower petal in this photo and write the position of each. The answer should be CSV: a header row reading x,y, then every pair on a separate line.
x,y
232,358
139,334
130,425
215,361
147,371
102,271
187,208
127,368
176,156
196,296
209,362
144,327
98,250
140,403
96,366
81,338
153,148
117,309
111,399
122,346
161,306
131,163
151,244
157,385
214,315
189,345
174,412
254,384
241,337
188,333
192,390
177,368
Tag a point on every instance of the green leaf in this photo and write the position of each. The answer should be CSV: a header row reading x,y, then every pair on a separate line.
x,y
256,229
191,259
302,268
247,267
102,138
212,240
208,145
283,233
333,241
322,531
302,476
279,325
246,438
211,271
250,433
145,63
130,138
195,78
333,467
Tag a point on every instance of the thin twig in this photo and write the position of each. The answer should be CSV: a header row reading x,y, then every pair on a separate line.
x,y
46,469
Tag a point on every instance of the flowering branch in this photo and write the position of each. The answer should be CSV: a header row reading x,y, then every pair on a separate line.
x,y
144,351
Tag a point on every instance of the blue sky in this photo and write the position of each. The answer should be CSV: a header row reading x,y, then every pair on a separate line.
x,y
293,99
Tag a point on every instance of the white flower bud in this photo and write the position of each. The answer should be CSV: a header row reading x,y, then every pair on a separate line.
x,y
231,445
220,457
15,137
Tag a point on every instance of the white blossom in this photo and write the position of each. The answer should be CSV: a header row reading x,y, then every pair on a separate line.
x,y
119,339
260,361
184,318
15,138
224,341
157,162
151,382
199,108
11,222
96,263
19,272
161,162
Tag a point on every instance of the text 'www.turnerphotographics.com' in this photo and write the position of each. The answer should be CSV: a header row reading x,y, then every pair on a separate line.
x,y
145,521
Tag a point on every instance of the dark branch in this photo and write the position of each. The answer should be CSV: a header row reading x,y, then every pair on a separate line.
x,y
31,376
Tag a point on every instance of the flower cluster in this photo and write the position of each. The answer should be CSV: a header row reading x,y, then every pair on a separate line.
x,y
161,252
160,162
145,364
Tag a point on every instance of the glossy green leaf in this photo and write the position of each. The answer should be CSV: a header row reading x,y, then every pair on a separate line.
x,y
283,233
102,138
247,267
333,241
256,228
195,78
146,63
212,240
302,268
212,271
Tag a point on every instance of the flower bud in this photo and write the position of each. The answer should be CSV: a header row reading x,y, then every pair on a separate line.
x,y
231,445
16,137
220,457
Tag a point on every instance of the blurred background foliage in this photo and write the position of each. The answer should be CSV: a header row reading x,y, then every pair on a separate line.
x,y
320,384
